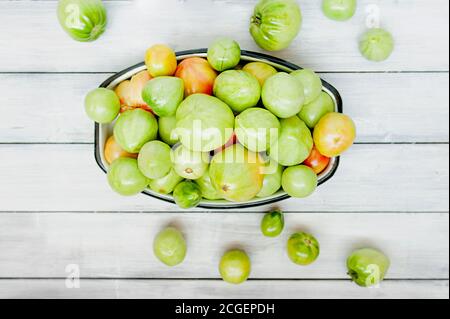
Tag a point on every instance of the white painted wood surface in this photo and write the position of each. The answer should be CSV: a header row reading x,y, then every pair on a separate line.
x,y
390,192
207,289
119,245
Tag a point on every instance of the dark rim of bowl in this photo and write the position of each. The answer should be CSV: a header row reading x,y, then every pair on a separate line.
x,y
245,53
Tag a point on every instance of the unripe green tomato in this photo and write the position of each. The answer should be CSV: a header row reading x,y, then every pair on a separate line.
x,y
224,54
154,160
169,247
134,128
275,23
376,44
272,224
367,267
102,105
167,184
235,267
208,190
339,10
125,178
299,181
187,195
166,126
311,82
303,249
83,20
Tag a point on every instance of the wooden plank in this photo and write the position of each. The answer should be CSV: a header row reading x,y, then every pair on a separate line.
x,y
188,289
134,25
397,103
118,245
371,178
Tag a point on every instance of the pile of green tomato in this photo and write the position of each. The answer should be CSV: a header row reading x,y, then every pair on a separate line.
x,y
366,267
217,130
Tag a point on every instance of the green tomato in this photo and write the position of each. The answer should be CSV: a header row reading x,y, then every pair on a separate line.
x,y
272,224
283,95
311,83
294,144
224,54
235,267
237,173
275,23
189,164
339,10
187,195
169,247
167,184
206,187
167,126
312,113
257,129
272,180
376,45
239,89
134,128
303,249
299,181
102,105
83,20
204,123
154,160
367,267
261,71
163,94
125,178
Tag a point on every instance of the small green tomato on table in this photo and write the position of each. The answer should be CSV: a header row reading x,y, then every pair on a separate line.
x,y
303,249
376,44
169,246
339,10
272,224
367,267
235,267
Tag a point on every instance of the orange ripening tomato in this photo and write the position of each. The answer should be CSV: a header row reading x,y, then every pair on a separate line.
x,y
113,151
334,134
198,76
160,60
130,92
317,161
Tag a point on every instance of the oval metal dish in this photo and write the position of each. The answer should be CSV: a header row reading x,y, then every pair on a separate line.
x,y
103,131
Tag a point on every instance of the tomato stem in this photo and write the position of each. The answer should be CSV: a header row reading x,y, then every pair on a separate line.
x,y
256,20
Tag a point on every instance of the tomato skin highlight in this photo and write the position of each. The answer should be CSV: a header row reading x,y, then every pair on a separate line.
x,y
198,76
317,161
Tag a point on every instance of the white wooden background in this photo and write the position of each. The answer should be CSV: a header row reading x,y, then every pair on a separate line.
x,y
390,192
